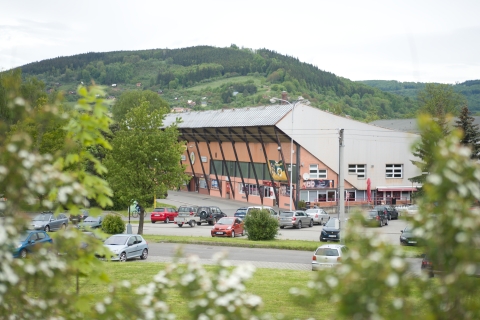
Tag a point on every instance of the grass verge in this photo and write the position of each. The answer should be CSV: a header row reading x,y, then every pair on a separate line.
x,y
272,285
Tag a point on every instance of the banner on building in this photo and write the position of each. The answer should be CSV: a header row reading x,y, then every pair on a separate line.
x,y
318,184
277,170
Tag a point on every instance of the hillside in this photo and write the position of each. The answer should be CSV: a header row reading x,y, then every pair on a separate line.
x,y
206,77
470,89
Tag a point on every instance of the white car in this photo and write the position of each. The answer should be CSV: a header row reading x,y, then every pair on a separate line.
x,y
318,215
411,210
328,256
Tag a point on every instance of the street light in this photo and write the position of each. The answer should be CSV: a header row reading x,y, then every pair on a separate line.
x,y
291,144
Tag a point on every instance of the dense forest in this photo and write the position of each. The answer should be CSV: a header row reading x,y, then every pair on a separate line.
x,y
470,89
205,77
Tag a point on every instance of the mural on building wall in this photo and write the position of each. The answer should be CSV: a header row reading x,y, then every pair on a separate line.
x,y
277,170
318,184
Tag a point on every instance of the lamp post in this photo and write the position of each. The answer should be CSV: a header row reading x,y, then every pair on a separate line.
x,y
291,145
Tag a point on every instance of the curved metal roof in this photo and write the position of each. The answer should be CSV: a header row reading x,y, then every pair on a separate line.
x,y
244,117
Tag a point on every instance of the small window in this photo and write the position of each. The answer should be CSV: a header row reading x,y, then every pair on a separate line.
x,y
394,170
40,235
316,173
357,169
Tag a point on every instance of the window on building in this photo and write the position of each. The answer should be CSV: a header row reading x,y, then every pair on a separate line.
x,y
358,169
316,173
394,170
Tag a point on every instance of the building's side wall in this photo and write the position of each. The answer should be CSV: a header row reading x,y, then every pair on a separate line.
x,y
318,132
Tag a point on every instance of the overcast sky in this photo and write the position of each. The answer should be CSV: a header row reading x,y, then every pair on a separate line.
x,y
408,40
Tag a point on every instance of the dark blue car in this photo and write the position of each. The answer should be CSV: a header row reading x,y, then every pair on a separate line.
x,y
29,241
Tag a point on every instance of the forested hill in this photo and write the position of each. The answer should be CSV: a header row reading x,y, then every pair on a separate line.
x,y
470,89
205,77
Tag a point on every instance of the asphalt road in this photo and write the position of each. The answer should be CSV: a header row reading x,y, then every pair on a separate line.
x,y
259,257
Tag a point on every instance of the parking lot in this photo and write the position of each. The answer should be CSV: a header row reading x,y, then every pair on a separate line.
x,y
390,233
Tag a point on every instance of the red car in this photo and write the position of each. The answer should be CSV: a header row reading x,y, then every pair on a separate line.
x,y
228,227
163,214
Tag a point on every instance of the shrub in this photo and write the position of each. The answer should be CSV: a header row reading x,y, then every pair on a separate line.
x,y
302,205
113,224
260,225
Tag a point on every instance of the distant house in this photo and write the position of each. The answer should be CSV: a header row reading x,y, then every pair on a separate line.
x,y
179,110
114,84
139,84
191,103
160,91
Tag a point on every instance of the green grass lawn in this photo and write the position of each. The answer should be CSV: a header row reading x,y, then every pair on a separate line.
x,y
218,83
272,285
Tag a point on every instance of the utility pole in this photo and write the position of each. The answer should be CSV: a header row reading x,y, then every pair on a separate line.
x,y
341,188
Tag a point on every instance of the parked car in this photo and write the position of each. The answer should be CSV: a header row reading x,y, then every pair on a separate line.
x,y
429,268
411,210
76,218
331,231
29,241
209,214
48,221
126,246
91,223
318,215
228,227
241,213
376,218
407,238
390,211
164,214
295,219
328,256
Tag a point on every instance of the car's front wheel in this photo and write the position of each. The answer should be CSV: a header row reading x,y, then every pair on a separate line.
x,y
144,255
64,226
123,257
167,220
47,228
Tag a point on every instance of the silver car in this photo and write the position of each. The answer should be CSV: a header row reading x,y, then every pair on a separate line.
x,y
49,222
294,219
319,216
127,246
328,256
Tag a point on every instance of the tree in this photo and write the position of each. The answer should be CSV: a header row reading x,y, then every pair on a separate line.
x,y
145,159
375,282
439,100
471,134
131,99
24,171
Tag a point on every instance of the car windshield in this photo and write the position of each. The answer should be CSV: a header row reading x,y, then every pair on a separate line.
x,y
91,219
408,229
331,223
185,209
286,214
241,211
327,252
24,236
42,217
226,221
158,209
116,240
311,211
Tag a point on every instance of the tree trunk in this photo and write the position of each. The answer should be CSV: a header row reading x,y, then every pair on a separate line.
x,y
140,220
